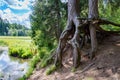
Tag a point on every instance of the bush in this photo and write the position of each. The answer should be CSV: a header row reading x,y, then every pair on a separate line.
x,y
20,52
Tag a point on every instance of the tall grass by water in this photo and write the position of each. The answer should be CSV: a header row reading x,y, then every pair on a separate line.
x,y
21,47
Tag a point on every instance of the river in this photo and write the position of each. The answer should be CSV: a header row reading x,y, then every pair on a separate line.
x,y
11,69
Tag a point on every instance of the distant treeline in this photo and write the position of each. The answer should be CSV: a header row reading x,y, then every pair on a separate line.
x,y
14,29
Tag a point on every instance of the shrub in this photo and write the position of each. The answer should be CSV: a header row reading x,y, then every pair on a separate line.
x,y
20,52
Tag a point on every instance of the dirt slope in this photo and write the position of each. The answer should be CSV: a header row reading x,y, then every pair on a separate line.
x,y
106,65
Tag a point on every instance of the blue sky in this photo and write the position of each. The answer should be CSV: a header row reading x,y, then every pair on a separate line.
x,y
16,11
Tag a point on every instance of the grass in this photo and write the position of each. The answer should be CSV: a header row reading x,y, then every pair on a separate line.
x,y
51,69
21,47
2,43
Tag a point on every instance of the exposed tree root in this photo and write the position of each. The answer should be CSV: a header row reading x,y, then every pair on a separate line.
x,y
78,32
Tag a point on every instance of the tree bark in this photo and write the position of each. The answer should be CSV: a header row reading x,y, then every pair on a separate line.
x,y
93,14
72,30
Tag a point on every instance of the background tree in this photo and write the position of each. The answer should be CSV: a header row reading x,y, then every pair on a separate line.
x,y
47,20
12,29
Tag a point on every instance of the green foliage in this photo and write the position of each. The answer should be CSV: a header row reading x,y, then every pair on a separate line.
x,y
20,52
51,69
44,61
34,61
47,21
111,13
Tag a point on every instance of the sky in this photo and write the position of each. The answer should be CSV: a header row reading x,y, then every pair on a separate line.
x,y
16,11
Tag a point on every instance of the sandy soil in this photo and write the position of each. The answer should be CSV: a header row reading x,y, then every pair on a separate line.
x,y
105,66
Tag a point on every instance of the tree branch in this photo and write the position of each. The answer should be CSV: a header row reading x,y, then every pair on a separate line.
x,y
99,21
105,22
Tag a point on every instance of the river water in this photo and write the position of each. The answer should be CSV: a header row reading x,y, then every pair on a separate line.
x,y
11,69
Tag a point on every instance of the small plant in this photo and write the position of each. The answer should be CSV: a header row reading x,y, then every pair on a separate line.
x,y
34,61
73,69
28,73
51,69
44,61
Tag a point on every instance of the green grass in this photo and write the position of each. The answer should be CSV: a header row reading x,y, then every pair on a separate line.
x,y
21,47
2,43
50,70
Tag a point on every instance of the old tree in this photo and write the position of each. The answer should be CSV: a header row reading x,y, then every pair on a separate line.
x,y
80,30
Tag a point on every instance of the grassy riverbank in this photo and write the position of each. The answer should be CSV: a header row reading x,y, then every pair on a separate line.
x,y
20,47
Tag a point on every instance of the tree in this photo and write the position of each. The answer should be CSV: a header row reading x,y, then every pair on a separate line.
x,y
90,27
72,29
47,20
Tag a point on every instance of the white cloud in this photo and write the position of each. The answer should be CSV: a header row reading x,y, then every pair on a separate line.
x,y
10,2
14,18
17,5
20,5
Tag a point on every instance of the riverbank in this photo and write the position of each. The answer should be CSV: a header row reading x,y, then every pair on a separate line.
x,y
21,48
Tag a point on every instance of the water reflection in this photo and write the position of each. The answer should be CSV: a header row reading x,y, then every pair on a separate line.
x,y
9,69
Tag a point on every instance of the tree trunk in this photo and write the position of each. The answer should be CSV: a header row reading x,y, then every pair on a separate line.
x,y
72,32
93,14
